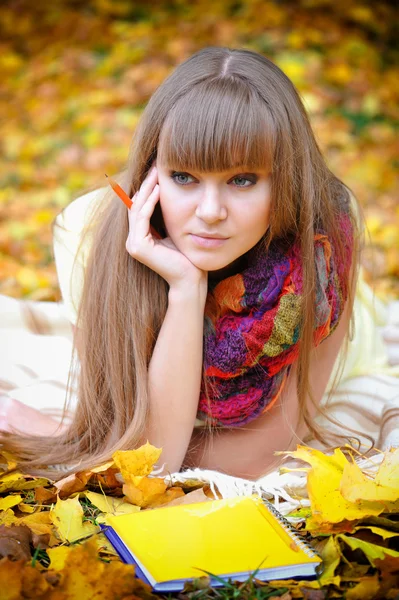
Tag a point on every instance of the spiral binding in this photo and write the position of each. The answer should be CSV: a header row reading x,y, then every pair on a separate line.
x,y
295,535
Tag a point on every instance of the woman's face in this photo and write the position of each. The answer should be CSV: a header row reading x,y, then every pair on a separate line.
x,y
233,205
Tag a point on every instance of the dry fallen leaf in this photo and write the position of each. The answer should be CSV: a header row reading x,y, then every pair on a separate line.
x,y
14,542
83,576
356,487
330,509
67,517
139,462
149,491
111,505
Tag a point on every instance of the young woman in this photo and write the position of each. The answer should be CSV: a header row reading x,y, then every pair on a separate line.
x,y
214,338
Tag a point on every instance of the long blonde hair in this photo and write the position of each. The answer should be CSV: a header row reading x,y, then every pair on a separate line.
x,y
219,109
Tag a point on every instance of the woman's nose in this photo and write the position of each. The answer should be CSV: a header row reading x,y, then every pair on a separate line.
x,y
211,207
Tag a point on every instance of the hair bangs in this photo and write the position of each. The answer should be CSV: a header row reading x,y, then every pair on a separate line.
x,y
217,126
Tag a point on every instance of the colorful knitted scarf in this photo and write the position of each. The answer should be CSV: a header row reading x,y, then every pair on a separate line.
x,y
251,342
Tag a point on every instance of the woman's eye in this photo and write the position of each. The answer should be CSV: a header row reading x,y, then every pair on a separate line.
x,y
180,178
184,179
242,180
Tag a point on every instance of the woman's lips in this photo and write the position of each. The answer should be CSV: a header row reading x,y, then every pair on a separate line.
x,y
208,242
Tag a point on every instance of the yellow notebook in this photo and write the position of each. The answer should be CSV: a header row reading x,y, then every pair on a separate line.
x,y
230,538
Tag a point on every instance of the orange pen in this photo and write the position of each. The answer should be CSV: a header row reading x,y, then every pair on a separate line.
x,y
128,201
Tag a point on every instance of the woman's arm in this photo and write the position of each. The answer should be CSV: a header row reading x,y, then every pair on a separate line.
x,y
174,375
248,452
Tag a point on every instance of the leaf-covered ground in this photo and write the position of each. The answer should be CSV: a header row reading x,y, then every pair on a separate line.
x,y
76,75
75,78
53,548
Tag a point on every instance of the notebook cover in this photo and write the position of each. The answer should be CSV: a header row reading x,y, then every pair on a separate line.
x,y
174,543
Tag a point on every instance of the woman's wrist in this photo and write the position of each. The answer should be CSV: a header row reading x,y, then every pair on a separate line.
x,y
188,290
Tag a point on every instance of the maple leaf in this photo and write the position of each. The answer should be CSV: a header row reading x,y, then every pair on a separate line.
x,y
355,486
139,462
110,505
329,506
67,516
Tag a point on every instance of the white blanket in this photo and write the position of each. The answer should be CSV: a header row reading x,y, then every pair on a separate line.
x,y
35,355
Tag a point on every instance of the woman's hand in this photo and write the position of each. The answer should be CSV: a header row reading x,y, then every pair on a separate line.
x,y
161,256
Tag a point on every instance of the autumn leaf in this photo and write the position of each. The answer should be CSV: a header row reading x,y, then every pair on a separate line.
x,y
331,555
14,542
328,505
7,517
58,556
16,481
144,491
72,483
83,576
9,501
365,589
140,462
384,488
40,523
371,551
86,577
7,462
67,517
110,505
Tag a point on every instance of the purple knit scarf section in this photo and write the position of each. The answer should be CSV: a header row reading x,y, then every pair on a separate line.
x,y
251,344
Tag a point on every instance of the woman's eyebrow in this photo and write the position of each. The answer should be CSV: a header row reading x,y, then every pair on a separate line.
x,y
239,170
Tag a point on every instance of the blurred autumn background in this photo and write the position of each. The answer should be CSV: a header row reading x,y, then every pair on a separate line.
x,y
76,76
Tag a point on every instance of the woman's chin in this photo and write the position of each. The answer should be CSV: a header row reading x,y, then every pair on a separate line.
x,y
209,264
217,269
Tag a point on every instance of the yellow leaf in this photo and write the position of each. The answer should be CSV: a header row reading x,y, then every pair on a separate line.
x,y
173,493
103,467
331,555
324,480
144,491
10,501
82,575
26,508
8,464
86,577
7,517
7,481
111,505
388,473
371,551
58,556
136,462
67,516
11,578
34,584
17,481
104,545
384,533
366,589
355,487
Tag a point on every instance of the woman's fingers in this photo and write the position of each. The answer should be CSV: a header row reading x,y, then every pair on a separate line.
x,y
143,217
144,191
140,213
